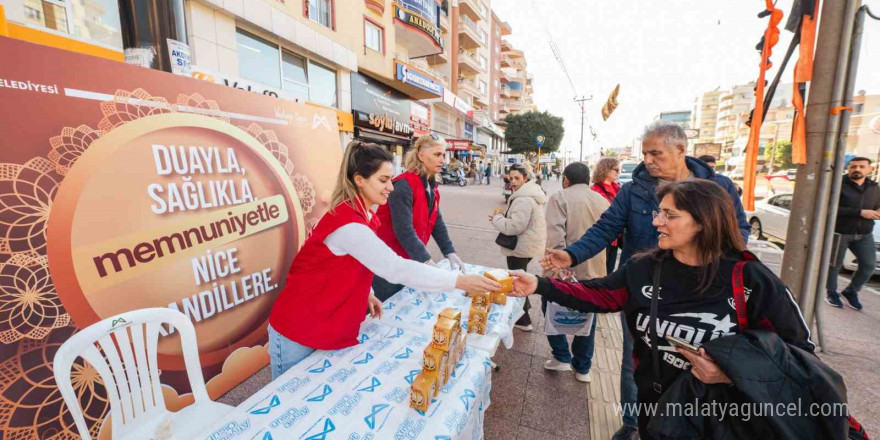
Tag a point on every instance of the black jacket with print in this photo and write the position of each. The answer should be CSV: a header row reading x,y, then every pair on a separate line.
x,y
853,199
681,312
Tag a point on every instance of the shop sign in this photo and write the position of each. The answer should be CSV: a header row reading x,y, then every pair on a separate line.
x,y
378,107
458,145
178,53
413,77
420,119
241,84
422,15
468,131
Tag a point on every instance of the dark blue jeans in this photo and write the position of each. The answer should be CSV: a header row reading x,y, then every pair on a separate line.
x,y
862,246
582,347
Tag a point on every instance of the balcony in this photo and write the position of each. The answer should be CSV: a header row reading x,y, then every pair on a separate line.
x,y
503,108
505,61
505,91
480,100
438,59
505,45
468,63
470,9
468,85
469,34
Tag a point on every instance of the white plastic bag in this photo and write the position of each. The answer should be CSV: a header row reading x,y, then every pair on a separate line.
x,y
559,320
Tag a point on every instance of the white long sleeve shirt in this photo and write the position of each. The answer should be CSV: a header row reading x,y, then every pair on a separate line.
x,y
364,245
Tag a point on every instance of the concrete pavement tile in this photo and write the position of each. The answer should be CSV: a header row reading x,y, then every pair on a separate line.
x,y
525,433
560,414
247,388
523,341
495,428
863,389
508,398
559,381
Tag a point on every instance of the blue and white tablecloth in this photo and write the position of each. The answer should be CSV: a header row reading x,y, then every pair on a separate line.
x,y
362,392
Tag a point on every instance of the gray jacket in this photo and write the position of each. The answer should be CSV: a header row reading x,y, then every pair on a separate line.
x,y
570,213
525,219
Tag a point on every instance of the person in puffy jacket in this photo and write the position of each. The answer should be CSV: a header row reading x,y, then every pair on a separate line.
x,y
524,218
699,248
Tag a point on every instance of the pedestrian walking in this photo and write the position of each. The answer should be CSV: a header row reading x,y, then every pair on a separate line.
x,y
522,227
570,212
412,215
857,211
664,145
327,293
488,173
605,183
692,271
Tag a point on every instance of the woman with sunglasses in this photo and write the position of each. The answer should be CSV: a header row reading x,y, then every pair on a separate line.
x,y
412,215
328,293
605,183
523,219
693,269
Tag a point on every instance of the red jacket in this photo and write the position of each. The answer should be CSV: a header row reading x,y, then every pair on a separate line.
x,y
423,222
609,191
325,298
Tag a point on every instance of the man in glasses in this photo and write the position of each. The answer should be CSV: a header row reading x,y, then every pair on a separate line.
x,y
663,145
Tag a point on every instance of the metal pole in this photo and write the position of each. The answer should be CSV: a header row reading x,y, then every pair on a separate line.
x,y
808,290
840,156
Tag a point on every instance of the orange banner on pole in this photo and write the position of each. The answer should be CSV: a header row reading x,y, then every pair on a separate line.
x,y
803,72
771,37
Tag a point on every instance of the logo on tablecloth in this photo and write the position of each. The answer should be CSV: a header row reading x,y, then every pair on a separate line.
x,y
466,398
363,338
328,428
427,315
397,333
267,436
370,419
405,354
374,383
412,376
389,305
416,302
367,358
326,391
273,402
322,368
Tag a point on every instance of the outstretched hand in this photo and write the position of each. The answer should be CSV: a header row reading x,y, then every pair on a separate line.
x,y
555,259
524,284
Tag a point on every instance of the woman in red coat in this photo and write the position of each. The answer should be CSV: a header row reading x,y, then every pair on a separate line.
x,y
328,292
605,183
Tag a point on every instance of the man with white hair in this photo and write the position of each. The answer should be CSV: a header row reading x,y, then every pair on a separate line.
x,y
664,146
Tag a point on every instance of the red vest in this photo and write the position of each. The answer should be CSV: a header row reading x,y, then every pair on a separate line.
x,y
422,221
325,298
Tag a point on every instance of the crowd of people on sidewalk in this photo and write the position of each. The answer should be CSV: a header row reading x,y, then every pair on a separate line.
x,y
667,251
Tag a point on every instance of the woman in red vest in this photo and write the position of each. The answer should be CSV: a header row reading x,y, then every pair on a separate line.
x,y
412,215
327,293
605,183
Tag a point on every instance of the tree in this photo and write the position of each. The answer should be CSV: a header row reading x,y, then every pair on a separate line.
x,y
782,158
523,128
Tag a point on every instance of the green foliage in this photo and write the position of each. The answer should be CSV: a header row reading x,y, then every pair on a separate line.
x,y
522,129
782,160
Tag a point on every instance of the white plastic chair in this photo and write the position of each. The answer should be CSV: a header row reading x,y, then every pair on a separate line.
x,y
123,350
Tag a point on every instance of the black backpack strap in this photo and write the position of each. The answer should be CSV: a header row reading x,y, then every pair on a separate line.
x,y
652,326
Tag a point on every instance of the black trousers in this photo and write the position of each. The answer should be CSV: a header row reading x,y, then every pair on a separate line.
x,y
514,263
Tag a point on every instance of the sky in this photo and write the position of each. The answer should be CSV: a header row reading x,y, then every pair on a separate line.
x,y
662,53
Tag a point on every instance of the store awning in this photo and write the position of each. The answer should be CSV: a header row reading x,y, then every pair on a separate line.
x,y
382,138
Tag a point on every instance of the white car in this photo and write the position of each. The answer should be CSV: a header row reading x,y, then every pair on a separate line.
x,y
624,177
770,217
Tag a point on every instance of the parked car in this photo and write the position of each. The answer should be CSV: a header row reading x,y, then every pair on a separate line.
x,y
624,177
770,217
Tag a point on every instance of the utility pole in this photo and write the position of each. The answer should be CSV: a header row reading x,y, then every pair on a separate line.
x,y
580,101
800,263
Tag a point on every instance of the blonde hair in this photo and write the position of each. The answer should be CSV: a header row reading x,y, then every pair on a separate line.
x,y
603,167
412,161
359,158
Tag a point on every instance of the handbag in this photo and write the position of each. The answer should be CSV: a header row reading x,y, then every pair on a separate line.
x,y
504,240
561,320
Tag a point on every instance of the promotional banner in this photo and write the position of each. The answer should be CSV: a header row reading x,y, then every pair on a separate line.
x,y
378,107
124,188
